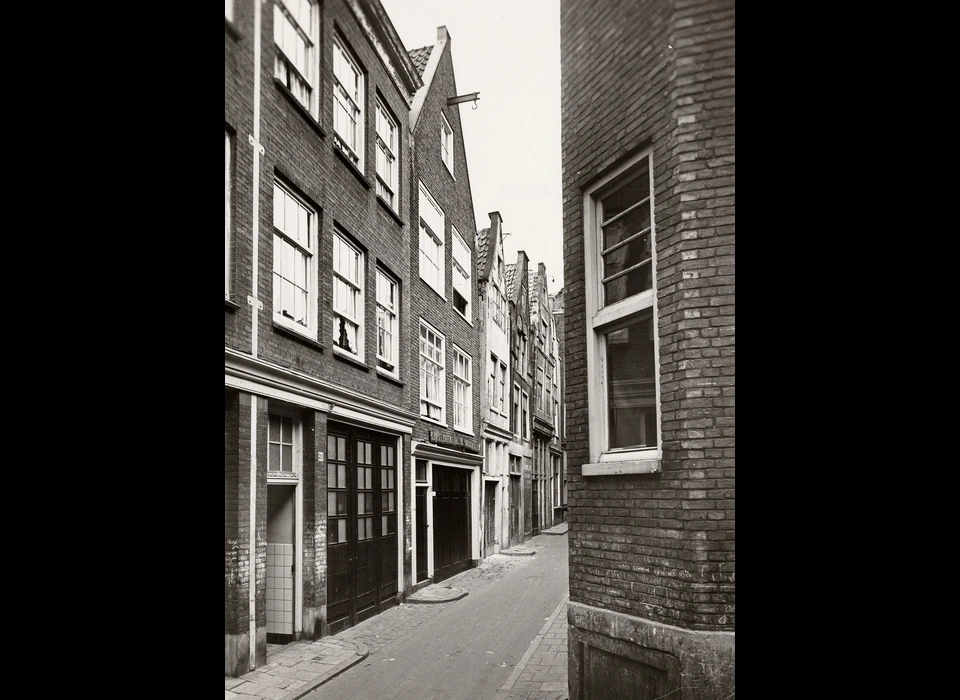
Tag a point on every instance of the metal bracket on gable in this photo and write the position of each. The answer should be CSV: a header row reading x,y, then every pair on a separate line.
x,y
255,302
253,142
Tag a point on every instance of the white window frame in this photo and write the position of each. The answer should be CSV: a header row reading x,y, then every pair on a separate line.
x,y
465,381
296,446
446,143
288,14
388,311
431,243
354,101
357,286
515,419
441,366
503,388
309,251
525,420
228,209
460,271
499,307
601,320
387,143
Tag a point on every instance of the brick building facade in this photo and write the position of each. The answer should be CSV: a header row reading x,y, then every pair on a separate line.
x,y
317,394
445,395
648,158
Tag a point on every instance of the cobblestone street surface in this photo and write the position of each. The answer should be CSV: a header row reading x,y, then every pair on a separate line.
x,y
542,672
294,670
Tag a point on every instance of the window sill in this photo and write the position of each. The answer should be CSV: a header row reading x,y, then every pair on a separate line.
x,y
382,373
632,466
347,357
297,335
463,317
434,289
386,205
434,421
449,169
463,432
300,108
353,168
230,305
232,29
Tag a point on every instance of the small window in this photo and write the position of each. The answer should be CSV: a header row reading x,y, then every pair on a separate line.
x,y
295,28
431,241
462,391
515,416
432,379
499,306
388,135
622,325
282,448
421,470
347,104
446,143
462,264
294,271
388,313
525,416
337,492
503,388
348,309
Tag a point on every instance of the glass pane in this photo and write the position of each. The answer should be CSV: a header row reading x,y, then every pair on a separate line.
x,y
342,447
341,504
631,389
628,195
369,449
384,529
332,447
286,425
360,502
273,463
342,476
342,530
391,503
331,476
627,285
287,457
290,220
383,502
273,432
390,483
278,207
621,229
331,532
331,504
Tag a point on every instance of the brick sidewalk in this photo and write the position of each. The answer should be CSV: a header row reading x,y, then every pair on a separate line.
x,y
542,672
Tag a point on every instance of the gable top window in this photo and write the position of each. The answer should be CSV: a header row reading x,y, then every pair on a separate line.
x,y
462,264
388,184
446,143
295,29
347,104
622,321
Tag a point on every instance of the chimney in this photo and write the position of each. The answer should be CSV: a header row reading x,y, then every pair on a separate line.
x,y
495,222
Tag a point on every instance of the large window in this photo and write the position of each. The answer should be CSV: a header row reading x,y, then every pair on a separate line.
x,y
432,385
499,306
622,326
348,305
295,27
431,241
294,276
462,392
227,212
446,143
525,416
503,388
515,416
347,103
388,135
462,265
388,312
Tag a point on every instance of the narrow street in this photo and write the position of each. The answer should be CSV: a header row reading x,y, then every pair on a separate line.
x,y
462,650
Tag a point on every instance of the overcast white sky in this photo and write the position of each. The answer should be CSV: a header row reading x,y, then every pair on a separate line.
x,y
509,52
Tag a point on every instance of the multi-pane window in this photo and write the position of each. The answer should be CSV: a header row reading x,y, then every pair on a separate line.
x,y
431,241
515,416
492,383
388,135
499,306
388,490
621,308
365,493
556,479
347,296
228,207
294,237
295,34
462,264
347,103
281,431
539,387
462,391
524,367
388,310
524,416
336,489
503,388
432,386
446,143
421,466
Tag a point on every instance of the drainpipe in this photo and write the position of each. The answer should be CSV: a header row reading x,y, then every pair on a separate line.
x,y
256,305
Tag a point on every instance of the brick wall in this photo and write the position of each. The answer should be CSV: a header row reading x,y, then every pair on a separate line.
x,y
454,196
658,546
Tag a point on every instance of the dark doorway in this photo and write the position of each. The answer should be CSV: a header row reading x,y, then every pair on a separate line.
x,y
514,496
451,521
489,517
536,506
361,525
421,506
